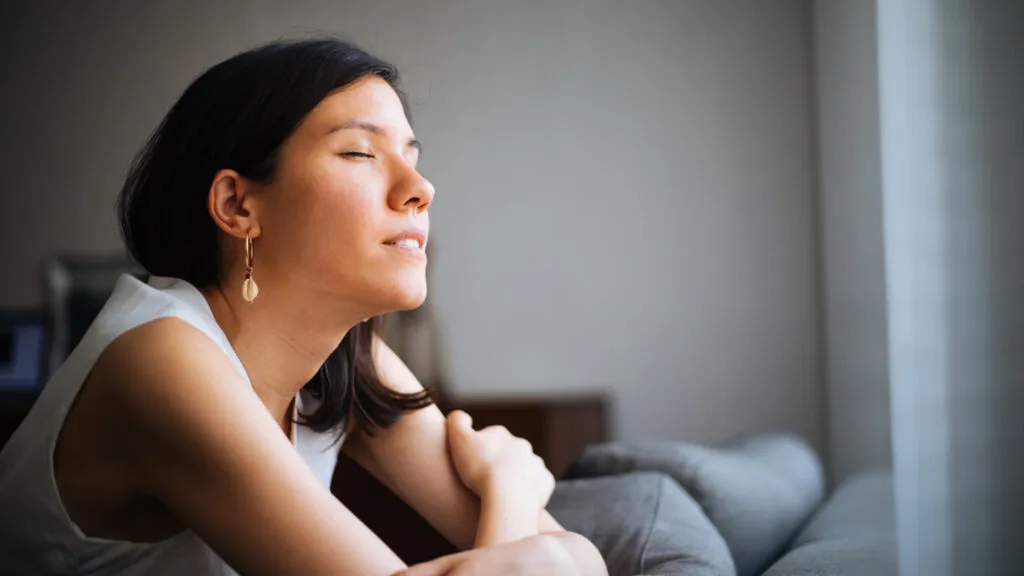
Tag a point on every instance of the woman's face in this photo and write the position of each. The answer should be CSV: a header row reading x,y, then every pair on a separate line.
x,y
346,212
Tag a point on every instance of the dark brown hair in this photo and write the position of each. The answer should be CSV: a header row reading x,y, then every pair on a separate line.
x,y
237,115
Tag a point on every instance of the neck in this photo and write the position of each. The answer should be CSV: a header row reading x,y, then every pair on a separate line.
x,y
282,338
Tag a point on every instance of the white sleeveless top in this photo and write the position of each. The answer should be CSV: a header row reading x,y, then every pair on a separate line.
x,y
36,534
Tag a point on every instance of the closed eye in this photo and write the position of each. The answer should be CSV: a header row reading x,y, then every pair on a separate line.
x,y
357,155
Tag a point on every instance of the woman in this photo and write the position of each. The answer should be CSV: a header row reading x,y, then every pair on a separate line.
x,y
279,211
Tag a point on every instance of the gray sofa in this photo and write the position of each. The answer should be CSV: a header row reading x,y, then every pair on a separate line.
x,y
755,506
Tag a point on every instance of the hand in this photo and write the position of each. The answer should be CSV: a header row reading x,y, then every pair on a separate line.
x,y
493,461
540,555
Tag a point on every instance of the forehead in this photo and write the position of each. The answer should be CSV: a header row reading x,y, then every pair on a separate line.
x,y
370,98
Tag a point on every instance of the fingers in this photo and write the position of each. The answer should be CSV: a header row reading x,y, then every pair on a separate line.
x,y
497,433
545,488
463,422
460,420
494,454
524,445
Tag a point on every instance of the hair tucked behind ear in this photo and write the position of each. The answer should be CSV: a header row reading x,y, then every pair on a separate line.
x,y
237,115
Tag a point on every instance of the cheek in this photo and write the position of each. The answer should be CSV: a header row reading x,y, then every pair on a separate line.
x,y
325,214
336,218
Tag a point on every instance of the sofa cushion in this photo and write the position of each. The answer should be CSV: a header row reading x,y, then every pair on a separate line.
x,y
642,523
758,491
854,533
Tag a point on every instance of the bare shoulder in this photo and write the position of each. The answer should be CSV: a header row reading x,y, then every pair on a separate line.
x,y
162,380
123,417
199,441
163,364
153,353
186,416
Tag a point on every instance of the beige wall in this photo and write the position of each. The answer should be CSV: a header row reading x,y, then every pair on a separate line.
x,y
852,237
625,189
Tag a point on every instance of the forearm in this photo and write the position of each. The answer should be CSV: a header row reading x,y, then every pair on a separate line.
x,y
585,556
503,520
563,553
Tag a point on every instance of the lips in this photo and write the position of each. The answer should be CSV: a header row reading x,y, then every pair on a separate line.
x,y
413,238
406,242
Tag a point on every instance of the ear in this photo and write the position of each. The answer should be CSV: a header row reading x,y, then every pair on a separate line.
x,y
232,205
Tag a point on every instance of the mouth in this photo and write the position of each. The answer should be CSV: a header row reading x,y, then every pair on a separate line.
x,y
405,243
410,242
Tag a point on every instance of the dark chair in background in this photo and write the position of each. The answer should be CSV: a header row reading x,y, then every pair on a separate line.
x,y
76,289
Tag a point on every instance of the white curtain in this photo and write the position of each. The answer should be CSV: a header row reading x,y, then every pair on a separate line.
x,y
952,129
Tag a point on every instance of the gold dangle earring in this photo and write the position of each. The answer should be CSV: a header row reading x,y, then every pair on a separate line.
x,y
249,289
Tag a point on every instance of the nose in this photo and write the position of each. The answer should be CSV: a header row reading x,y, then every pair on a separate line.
x,y
411,191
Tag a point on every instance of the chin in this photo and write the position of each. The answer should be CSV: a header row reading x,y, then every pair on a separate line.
x,y
412,300
407,295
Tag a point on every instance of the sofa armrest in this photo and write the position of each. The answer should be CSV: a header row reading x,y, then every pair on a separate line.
x,y
758,490
643,523
853,533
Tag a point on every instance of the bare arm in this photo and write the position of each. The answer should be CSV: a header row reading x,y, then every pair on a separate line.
x,y
562,553
196,438
412,459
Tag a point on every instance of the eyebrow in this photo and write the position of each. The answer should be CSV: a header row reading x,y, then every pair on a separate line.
x,y
357,124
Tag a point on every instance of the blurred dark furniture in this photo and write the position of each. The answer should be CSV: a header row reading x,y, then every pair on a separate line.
x,y
13,409
558,427
77,287
24,340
